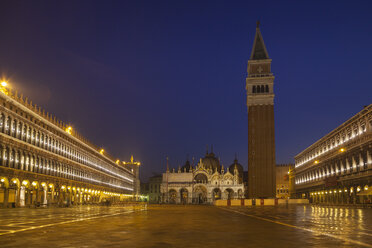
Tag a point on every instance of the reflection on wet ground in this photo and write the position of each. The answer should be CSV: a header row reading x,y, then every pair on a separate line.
x,y
187,226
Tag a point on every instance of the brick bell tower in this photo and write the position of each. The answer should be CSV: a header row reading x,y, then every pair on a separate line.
x,y
261,136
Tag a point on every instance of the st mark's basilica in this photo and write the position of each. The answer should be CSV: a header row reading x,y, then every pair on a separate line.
x,y
203,183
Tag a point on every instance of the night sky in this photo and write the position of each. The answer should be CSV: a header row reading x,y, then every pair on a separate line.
x,y
166,78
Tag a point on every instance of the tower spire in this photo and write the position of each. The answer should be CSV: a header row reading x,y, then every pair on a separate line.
x,y
259,49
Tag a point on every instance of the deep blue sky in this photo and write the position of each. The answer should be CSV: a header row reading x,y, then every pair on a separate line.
x,y
165,78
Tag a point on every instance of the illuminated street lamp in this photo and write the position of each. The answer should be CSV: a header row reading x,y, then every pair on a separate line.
x,y
4,87
316,162
342,149
69,130
102,151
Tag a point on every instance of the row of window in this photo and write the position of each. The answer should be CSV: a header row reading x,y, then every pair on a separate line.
x,y
20,130
337,140
345,166
154,188
22,160
282,191
260,89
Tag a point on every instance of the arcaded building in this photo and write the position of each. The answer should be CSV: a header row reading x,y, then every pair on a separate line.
x,y
203,183
45,162
338,167
261,135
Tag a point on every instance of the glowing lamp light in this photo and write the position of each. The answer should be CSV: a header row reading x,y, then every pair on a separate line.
x,y
342,149
117,161
24,182
69,130
4,84
2,180
33,183
316,162
102,151
43,184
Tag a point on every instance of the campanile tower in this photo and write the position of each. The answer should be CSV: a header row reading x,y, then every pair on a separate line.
x,y
261,136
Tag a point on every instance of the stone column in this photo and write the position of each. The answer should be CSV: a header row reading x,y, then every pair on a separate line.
x,y
6,197
353,163
3,155
361,162
369,159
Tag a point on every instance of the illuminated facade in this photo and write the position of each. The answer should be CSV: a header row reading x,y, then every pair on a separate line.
x,y
45,162
282,180
338,167
261,137
207,182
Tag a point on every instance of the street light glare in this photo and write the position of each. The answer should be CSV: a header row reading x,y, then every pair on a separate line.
x,y
4,84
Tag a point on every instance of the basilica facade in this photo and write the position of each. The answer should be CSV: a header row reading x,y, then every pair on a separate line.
x,y
204,183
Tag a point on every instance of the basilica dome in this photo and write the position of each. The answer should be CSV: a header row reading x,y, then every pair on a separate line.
x,y
238,166
211,162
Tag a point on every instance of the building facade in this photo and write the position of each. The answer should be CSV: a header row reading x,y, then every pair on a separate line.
x,y
207,182
282,180
338,167
261,136
154,189
45,162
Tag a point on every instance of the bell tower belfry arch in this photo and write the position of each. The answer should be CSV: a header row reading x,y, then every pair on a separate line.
x,y
261,135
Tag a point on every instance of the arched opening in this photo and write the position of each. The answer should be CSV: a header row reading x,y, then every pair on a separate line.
x,y
267,88
254,89
201,178
184,193
262,88
229,193
24,195
172,196
200,195
34,193
240,193
216,194
258,89
4,185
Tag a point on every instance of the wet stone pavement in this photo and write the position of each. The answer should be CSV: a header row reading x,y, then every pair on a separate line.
x,y
186,226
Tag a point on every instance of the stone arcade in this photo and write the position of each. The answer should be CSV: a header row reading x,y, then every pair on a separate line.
x,y
43,161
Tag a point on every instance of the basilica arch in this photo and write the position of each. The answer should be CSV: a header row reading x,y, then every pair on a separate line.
x,y
184,195
200,194
216,194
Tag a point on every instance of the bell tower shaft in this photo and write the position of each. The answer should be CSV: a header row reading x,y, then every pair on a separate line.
x,y
261,135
